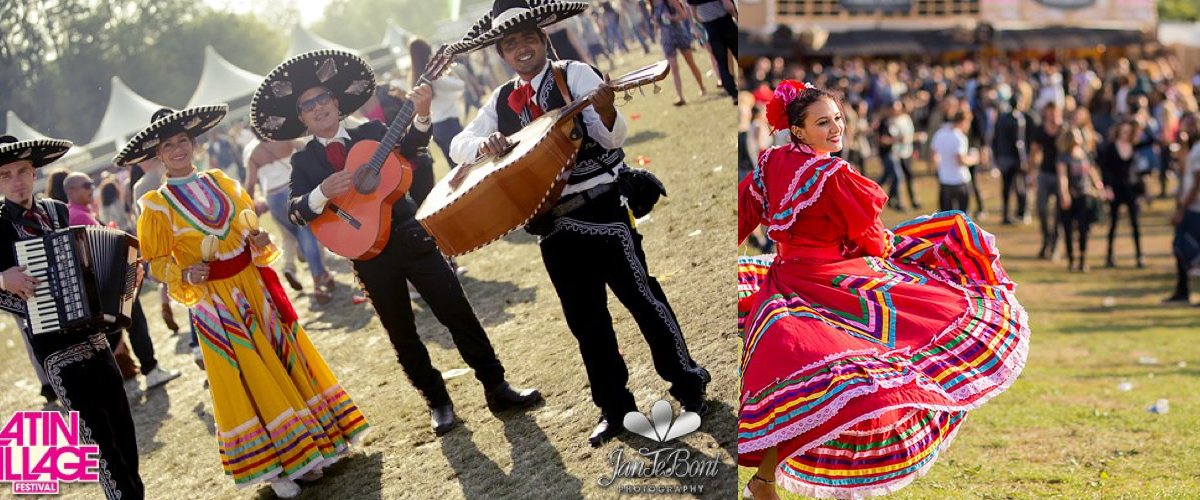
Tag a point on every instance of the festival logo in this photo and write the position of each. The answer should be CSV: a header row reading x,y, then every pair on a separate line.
x,y
39,449
680,463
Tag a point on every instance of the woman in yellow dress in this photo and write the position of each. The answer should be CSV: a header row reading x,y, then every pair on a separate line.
x,y
280,413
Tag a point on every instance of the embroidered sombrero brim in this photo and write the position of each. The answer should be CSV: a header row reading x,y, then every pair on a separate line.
x,y
273,110
39,152
194,121
488,31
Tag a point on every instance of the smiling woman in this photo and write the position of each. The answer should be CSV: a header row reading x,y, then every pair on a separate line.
x,y
863,347
280,413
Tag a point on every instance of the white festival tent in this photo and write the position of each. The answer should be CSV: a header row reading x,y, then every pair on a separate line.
x,y
126,113
397,38
305,41
221,82
17,127
452,30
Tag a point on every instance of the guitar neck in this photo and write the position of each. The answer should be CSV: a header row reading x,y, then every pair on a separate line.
x,y
577,106
394,133
404,118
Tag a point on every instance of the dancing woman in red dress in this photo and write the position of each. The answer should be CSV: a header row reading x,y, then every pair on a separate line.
x,y
864,347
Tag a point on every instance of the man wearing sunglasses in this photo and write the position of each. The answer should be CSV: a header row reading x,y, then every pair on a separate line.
x,y
312,93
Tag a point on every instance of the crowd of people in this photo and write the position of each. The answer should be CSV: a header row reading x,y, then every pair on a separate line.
x,y
1068,141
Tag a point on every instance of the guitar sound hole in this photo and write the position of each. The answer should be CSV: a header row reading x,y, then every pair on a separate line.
x,y
366,181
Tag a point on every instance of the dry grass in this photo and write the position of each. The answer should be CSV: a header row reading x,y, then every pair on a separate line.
x,y
1064,430
539,454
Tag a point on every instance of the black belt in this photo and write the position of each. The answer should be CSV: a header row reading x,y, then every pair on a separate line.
x,y
580,199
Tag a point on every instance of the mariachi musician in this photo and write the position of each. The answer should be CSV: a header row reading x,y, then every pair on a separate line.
x,y
312,93
587,240
79,364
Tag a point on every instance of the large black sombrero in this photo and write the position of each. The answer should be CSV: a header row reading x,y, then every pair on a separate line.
x,y
511,16
273,111
40,152
166,123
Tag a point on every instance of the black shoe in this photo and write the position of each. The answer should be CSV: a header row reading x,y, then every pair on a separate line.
x,y
699,407
1141,263
48,393
443,418
604,431
1175,299
504,398
290,276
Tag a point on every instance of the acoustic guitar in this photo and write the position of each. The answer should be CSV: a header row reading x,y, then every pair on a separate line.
x,y
481,201
357,224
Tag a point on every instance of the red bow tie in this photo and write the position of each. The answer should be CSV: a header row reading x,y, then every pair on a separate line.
x,y
522,98
335,152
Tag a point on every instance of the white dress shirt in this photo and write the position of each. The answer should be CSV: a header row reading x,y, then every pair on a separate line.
x,y
580,81
447,99
317,199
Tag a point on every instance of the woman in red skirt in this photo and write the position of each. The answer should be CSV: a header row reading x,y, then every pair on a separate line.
x,y
864,347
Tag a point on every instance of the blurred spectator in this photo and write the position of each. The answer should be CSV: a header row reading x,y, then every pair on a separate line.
x,y
1187,213
223,155
720,24
1044,148
1124,183
54,184
676,38
113,209
589,36
446,109
1080,189
952,155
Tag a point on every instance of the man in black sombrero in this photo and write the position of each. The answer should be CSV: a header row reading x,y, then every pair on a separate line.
x,y
587,240
79,364
312,93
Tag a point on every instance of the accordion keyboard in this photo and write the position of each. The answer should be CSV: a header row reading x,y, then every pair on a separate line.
x,y
58,298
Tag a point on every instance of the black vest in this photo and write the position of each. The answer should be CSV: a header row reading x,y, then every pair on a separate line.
x,y
592,160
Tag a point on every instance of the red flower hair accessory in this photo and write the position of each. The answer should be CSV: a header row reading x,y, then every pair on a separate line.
x,y
785,93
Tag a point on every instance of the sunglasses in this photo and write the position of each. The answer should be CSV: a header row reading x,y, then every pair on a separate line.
x,y
86,185
307,106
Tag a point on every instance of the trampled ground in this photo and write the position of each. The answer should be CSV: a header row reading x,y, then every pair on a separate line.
x,y
1065,430
541,454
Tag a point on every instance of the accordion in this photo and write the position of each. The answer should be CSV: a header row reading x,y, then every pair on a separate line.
x,y
88,279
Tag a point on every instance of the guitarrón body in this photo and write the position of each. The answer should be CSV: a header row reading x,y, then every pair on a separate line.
x,y
350,225
482,201
463,216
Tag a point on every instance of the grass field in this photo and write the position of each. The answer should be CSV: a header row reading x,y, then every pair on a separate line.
x,y
540,454
1065,430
